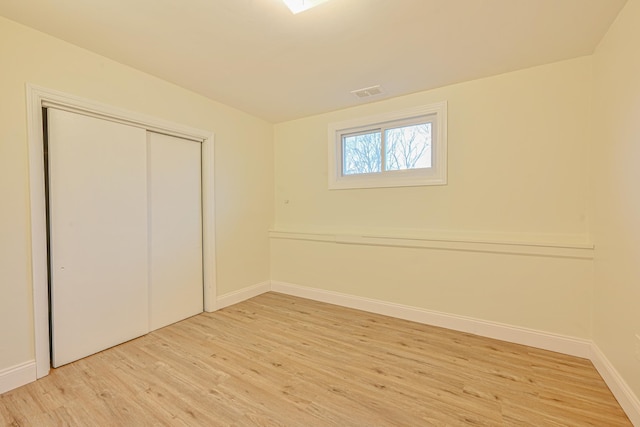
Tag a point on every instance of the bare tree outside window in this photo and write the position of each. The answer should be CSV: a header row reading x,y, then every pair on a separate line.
x,y
362,153
408,147
393,149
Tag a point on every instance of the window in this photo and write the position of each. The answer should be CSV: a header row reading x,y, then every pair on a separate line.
x,y
403,148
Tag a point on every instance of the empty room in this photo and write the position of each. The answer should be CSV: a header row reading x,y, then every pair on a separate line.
x,y
320,213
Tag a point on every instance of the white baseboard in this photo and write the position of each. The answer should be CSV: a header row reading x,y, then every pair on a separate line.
x,y
241,295
547,341
544,340
25,373
17,376
618,386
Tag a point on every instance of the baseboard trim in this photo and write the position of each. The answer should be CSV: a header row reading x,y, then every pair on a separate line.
x,y
25,373
547,341
243,294
618,386
17,376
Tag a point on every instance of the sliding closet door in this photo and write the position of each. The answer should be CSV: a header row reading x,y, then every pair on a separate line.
x,y
175,249
98,234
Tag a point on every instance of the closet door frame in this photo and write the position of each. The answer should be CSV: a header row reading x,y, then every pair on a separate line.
x,y
39,98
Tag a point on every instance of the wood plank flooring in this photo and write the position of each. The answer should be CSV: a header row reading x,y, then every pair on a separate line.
x,y
277,360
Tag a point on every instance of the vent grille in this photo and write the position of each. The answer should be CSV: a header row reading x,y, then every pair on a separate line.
x,y
368,91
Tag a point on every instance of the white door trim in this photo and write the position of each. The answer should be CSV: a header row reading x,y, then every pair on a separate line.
x,y
39,97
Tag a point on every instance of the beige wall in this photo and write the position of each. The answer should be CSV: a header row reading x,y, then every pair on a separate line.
x,y
243,166
529,164
518,172
616,183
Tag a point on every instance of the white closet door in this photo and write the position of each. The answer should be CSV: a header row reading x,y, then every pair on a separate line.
x,y
175,229
98,231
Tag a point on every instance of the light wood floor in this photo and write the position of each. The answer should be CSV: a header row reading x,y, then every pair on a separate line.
x,y
277,360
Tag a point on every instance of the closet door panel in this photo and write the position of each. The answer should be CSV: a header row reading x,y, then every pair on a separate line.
x,y
98,234
175,229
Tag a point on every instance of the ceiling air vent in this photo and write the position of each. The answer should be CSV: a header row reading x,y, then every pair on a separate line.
x,y
368,91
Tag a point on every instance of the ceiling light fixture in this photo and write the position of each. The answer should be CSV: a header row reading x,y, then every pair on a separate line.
x,y
297,6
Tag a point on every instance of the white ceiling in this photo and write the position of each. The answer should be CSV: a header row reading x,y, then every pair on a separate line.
x,y
257,56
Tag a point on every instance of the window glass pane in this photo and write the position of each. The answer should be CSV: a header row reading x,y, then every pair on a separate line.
x,y
408,147
361,153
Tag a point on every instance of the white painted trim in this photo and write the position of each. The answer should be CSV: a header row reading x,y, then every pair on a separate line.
x,y
533,338
622,392
37,97
208,226
25,373
558,247
38,231
243,294
544,340
17,376
75,104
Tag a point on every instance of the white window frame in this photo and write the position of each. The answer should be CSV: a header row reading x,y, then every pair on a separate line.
x,y
436,114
